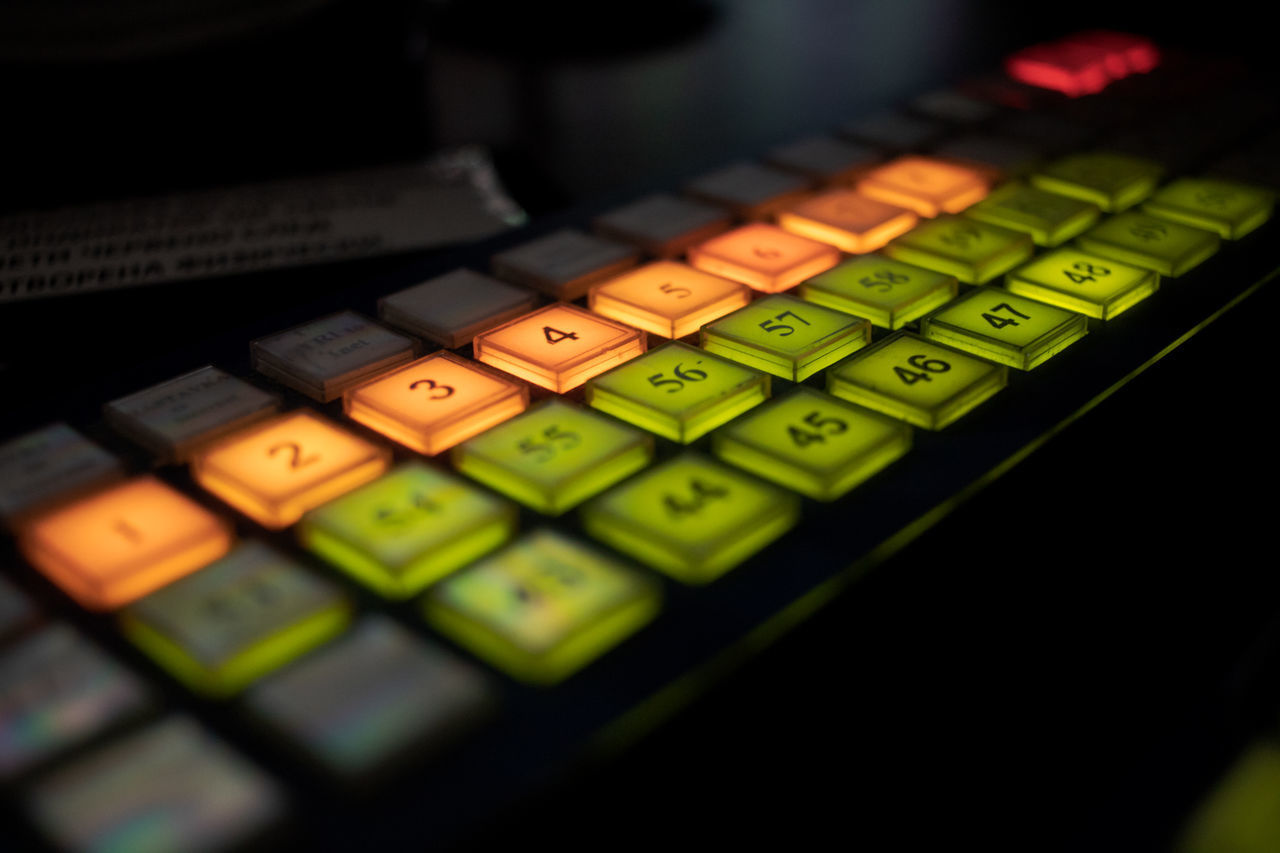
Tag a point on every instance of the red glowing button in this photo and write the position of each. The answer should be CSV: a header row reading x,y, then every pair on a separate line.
x,y
1125,53
1071,68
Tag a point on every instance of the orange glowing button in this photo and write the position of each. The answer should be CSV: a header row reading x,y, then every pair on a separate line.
x,y
1070,68
559,347
436,402
850,221
117,545
276,471
668,298
764,257
924,184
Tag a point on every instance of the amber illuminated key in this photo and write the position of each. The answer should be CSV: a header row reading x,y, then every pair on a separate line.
x,y
764,257
923,184
668,298
559,347
435,402
276,471
848,220
119,544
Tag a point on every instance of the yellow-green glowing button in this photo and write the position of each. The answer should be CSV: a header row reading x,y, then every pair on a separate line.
x,y
1228,209
972,251
1239,815
919,381
1113,182
1049,218
1004,328
408,529
543,607
235,620
554,456
785,336
889,293
691,517
813,443
678,391
1084,283
1150,242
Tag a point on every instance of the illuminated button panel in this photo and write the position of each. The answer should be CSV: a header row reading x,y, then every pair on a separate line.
x,y
812,443
277,471
1005,328
918,381
848,220
554,456
1082,282
121,543
972,251
785,336
435,402
1228,209
565,263
559,347
1113,182
691,517
326,357
764,257
366,704
678,391
886,292
451,309
239,618
544,607
407,529
50,464
172,418
1151,242
926,185
1049,218
668,298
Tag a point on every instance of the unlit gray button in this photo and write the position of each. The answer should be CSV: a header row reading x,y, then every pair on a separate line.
x,y
453,308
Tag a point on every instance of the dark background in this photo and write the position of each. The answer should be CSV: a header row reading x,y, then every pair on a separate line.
x,y
1075,688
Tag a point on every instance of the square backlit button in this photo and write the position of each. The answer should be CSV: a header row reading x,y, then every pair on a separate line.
x,y
326,357
889,293
565,263
543,607
764,257
1072,69
924,184
239,618
1084,283
172,418
373,701
785,336
119,544
1049,218
1004,328
407,529
1150,242
559,347
678,391
276,471
453,308
668,298
848,220
1113,182
812,443
1228,209
972,251
691,517
918,381
433,403
554,456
